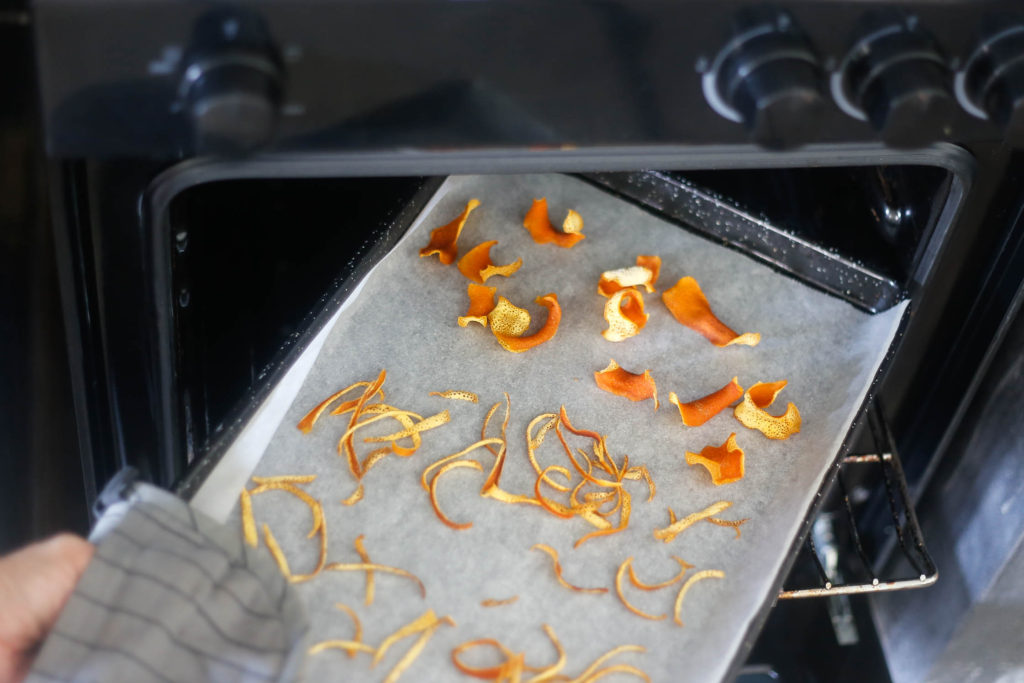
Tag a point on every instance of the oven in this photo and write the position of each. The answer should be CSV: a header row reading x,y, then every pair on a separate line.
x,y
222,178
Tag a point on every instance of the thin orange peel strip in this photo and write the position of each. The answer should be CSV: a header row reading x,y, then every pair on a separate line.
x,y
677,527
443,240
491,673
699,576
627,564
551,552
365,557
534,441
351,647
624,313
423,425
594,669
499,602
425,476
305,425
433,491
517,343
697,412
426,624
285,479
249,532
356,495
683,567
477,266
690,307
752,414
539,226
284,483
373,566
724,463
621,382
456,395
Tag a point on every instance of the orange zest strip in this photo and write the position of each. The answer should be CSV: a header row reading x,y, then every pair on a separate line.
x,y
623,522
481,303
424,478
518,344
534,442
615,669
699,576
643,274
690,307
489,673
675,528
372,459
558,570
426,626
454,395
622,382
628,564
356,495
433,491
365,557
683,566
751,412
640,472
491,602
307,422
349,646
369,566
314,505
345,444
734,524
624,313
249,532
549,673
724,463
285,479
589,673
477,266
423,425
443,239
697,412
276,552
539,226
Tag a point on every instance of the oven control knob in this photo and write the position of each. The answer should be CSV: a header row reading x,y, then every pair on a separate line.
x,y
896,78
231,88
767,77
992,81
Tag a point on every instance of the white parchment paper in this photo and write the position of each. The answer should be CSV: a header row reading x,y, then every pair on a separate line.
x,y
404,319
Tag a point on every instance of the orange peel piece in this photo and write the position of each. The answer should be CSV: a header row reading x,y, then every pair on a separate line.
x,y
443,239
624,313
724,463
426,624
433,491
492,602
456,395
285,483
683,567
699,576
351,647
365,557
508,319
305,425
481,303
643,274
593,671
688,305
697,412
558,570
751,411
374,567
356,495
539,226
622,382
628,564
676,527
517,343
477,266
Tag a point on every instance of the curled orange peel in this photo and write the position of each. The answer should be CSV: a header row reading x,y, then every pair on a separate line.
x,y
365,557
624,313
287,484
690,307
699,576
676,527
622,382
499,602
553,554
539,226
433,491
724,463
697,412
628,564
683,567
481,303
517,343
425,625
443,239
508,319
594,670
374,567
477,266
643,274
351,647
456,395
305,425
751,411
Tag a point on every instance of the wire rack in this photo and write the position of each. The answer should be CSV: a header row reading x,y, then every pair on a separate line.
x,y
835,545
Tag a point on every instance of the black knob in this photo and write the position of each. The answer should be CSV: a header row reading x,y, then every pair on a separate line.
x,y
993,80
897,78
232,85
768,77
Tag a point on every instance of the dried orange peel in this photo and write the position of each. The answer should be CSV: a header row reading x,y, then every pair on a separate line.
x,y
724,463
751,411
305,425
558,570
481,303
457,395
492,602
539,226
697,412
690,307
622,382
643,274
349,646
287,484
676,527
433,491
477,266
683,567
624,313
699,576
425,625
443,239
627,564
517,343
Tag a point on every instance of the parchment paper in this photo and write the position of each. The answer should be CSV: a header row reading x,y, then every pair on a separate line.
x,y
404,320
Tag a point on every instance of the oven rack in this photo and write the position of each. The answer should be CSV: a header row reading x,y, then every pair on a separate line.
x,y
834,545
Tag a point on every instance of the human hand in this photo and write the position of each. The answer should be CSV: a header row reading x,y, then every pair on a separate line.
x,y
35,582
